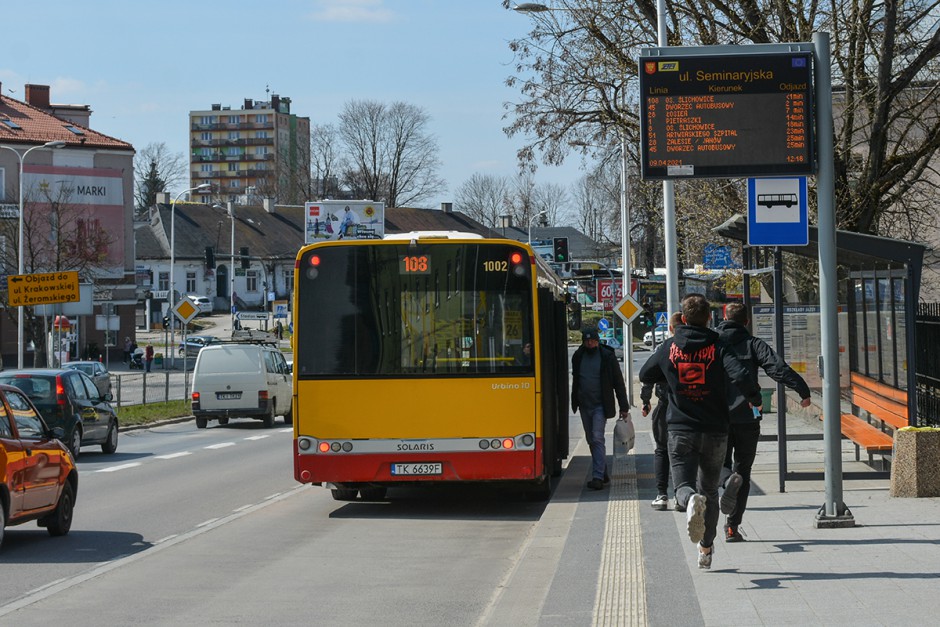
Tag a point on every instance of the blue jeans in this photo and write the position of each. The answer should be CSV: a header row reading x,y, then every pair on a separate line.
x,y
697,459
594,423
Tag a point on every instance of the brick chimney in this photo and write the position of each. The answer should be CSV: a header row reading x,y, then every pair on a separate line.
x,y
38,96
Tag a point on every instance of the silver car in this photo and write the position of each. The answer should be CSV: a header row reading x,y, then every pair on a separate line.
x,y
95,371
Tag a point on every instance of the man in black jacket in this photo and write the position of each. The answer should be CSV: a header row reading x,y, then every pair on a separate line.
x,y
754,353
696,368
596,379
660,434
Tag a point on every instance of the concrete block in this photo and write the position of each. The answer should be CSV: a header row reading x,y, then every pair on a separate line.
x,y
915,466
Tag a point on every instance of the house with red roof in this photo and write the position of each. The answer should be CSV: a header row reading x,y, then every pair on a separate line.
x,y
75,186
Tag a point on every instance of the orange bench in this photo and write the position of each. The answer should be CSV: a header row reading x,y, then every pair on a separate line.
x,y
886,409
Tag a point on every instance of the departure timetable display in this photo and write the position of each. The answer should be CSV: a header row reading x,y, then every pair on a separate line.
x,y
726,115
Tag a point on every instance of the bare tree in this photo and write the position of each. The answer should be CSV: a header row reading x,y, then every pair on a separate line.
x,y
391,157
58,235
484,197
155,163
325,162
576,75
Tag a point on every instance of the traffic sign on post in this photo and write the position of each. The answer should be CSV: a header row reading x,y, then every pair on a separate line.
x,y
186,310
777,212
25,290
628,309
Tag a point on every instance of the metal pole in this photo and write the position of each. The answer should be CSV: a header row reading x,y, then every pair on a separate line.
x,y
781,390
669,198
627,275
833,512
20,322
231,291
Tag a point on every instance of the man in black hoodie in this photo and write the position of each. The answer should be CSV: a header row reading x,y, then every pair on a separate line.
x,y
697,368
754,353
596,379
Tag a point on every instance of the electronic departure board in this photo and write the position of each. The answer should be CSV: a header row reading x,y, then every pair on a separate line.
x,y
727,115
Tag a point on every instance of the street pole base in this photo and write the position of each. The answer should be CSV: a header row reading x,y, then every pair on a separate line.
x,y
842,520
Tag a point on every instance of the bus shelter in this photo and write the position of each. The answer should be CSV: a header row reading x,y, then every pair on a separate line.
x,y
879,286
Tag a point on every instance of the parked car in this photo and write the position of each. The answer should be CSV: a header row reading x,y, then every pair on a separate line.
x,y
203,303
662,333
195,343
241,379
95,371
38,478
69,400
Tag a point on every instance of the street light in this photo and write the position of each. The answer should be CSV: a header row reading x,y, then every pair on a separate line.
x,y
20,267
170,313
531,220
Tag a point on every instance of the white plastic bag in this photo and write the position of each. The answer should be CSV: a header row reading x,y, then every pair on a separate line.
x,y
624,435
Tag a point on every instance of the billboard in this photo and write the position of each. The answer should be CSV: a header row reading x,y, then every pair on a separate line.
x,y
78,209
343,219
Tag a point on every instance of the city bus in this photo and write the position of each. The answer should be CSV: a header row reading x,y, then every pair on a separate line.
x,y
428,359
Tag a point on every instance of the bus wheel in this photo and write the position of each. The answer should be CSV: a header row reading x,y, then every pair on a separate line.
x,y
373,494
344,494
223,420
556,468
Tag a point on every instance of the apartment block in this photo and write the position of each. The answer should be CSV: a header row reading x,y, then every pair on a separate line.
x,y
259,151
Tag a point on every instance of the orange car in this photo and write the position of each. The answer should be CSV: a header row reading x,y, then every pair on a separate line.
x,y
38,478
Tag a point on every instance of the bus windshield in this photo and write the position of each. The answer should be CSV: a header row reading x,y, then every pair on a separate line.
x,y
400,309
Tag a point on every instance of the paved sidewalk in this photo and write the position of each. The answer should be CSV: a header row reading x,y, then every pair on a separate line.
x,y
883,571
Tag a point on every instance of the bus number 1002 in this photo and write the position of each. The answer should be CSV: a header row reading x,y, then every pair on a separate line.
x,y
495,266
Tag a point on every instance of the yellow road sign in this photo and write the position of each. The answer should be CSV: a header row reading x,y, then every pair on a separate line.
x,y
186,310
24,290
628,309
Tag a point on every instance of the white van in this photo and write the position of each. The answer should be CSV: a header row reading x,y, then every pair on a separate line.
x,y
241,379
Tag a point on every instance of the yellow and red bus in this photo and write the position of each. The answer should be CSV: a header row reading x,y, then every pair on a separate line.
x,y
428,358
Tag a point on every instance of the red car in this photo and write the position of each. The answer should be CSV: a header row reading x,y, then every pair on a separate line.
x,y
38,478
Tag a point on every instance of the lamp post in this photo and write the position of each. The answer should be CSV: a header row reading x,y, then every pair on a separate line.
x,y
20,267
170,313
531,220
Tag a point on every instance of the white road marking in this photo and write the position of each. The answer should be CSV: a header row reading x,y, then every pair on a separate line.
x,y
208,522
287,430
258,437
166,539
119,467
64,584
174,455
273,496
220,445
243,507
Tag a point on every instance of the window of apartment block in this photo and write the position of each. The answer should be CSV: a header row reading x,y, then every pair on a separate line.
x,y
261,150
205,136
261,118
251,280
163,281
234,135
205,167
190,281
233,167
207,119
235,183
261,134
289,279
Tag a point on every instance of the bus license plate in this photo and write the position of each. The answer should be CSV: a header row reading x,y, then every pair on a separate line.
x,y
228,396
433,468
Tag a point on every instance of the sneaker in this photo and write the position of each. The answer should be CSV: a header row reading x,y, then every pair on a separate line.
x,y
596,484
661,502
730,497
695,516
705,559
734,534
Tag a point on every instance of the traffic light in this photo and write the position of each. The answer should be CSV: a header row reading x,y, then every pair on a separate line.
x,y
166,322
560,246
246,263
210,257
648,318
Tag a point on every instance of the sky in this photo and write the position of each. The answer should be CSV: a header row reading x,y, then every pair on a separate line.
x,y
143,66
